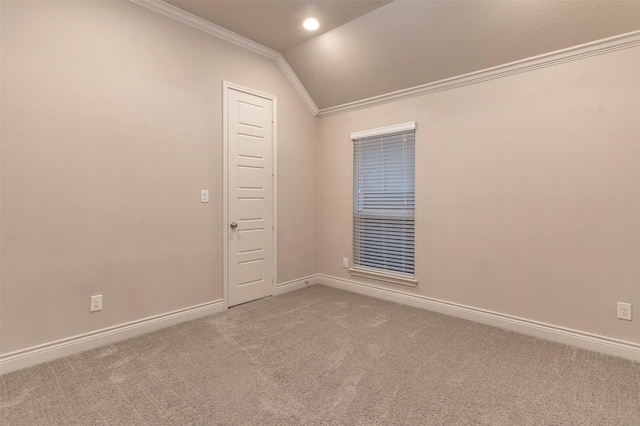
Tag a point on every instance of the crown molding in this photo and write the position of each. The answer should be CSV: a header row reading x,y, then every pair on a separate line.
x,y
220,32
582,51
297,84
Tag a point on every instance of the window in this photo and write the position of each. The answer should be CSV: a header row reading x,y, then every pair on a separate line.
x,y
384,203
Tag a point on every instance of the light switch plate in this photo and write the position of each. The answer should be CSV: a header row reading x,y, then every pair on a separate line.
x,y
204,196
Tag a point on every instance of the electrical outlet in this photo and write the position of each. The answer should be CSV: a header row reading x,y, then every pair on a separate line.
x,y
96,303
345,262
624,311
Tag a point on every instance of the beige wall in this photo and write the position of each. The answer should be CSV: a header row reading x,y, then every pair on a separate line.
x,y
111,126
528,192
528,201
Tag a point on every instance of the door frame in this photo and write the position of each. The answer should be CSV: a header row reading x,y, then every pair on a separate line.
x,y
226,86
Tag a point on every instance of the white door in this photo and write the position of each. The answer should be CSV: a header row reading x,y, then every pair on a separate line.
x,y
250,227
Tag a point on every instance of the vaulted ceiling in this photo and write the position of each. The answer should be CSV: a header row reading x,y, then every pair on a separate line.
x,y
369,48
277,24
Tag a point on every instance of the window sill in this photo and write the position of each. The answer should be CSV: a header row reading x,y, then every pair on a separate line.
x,y
381,276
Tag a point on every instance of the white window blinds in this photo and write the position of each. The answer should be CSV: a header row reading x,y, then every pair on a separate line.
x,y
384,201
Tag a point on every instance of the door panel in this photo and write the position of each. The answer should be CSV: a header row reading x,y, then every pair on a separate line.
x,y
250,196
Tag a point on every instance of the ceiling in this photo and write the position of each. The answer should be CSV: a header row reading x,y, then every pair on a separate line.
x,y
370,48
277,24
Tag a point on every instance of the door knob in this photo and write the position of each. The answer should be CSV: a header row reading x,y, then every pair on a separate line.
x,y
233,225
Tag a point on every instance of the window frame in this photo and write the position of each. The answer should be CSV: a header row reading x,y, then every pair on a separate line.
x,y
369,272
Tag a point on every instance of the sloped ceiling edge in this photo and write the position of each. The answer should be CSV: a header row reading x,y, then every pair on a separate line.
x,y
216,30
598,47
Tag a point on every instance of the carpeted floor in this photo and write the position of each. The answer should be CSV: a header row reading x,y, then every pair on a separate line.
x,y
325,356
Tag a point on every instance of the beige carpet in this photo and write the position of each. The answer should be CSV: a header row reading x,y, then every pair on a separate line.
x,y
324,356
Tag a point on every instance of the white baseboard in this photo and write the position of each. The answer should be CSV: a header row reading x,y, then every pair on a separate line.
x,y
60,348
49,351
593,342
296,284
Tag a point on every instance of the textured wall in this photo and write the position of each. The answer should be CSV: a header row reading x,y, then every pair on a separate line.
x,y
111,126
528,192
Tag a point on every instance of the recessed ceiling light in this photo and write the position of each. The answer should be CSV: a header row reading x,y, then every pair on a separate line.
x,y
311,24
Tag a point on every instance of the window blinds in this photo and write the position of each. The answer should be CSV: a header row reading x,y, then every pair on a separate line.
x,y
384,202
